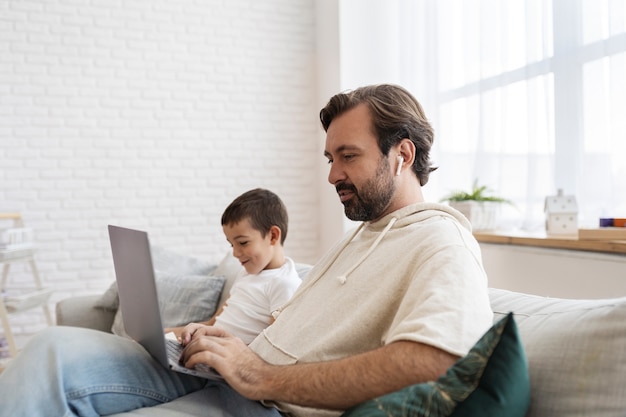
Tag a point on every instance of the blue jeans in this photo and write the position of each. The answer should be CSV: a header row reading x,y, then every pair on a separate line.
x,y
68,371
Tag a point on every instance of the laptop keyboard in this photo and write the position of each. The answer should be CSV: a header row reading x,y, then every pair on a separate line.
x,y
174,349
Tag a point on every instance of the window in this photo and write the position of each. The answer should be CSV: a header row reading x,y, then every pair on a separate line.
x,y
527,96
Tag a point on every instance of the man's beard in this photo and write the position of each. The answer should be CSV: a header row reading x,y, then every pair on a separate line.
x,y
374,196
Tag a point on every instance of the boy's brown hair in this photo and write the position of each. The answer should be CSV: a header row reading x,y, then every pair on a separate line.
x,y
262,208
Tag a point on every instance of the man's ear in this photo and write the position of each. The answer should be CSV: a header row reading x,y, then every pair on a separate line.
x,y
407,151
275,234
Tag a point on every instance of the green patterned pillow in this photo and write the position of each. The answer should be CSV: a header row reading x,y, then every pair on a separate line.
x,y
492,380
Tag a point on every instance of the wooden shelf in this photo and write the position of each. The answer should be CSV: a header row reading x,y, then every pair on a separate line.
x,y
17,300
540,240
26,299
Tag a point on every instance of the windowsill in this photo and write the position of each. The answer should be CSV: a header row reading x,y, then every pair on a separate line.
x,y
540,240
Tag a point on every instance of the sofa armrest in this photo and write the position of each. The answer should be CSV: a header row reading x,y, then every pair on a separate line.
x,y
80,312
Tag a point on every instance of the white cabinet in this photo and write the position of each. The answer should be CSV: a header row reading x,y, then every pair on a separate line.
x,y
555,272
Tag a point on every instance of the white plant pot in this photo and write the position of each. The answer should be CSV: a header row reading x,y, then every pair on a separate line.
x,y
481,214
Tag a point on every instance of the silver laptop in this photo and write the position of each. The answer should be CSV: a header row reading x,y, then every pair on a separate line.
x,y
139,302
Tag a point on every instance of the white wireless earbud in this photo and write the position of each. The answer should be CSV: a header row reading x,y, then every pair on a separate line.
x,y
400,162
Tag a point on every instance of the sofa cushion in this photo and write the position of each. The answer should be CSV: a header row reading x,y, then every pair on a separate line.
x,y
165,263
491,380
576,351
183,299
186,290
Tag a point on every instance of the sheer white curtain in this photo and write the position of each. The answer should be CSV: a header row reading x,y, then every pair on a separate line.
x,y
603,173
527,96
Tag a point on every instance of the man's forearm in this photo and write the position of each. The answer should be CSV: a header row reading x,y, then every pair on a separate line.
x,y
343,383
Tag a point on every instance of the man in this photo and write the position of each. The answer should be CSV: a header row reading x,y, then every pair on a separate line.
x,y
393,304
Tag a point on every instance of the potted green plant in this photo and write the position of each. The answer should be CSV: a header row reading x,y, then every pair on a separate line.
x,y
478,205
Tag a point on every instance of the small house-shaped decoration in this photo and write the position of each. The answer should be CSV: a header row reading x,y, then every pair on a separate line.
x,y
561,214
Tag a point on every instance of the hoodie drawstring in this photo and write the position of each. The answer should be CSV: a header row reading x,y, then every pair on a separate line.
x,y
344,278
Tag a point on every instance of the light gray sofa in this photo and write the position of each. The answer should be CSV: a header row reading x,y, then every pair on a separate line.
x,y
576,351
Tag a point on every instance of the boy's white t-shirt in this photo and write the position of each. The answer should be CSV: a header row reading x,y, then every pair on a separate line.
x,y
253,298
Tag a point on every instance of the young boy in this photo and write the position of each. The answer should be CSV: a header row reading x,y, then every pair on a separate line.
x,y
255,225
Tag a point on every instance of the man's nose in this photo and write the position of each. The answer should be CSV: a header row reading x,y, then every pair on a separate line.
x,y
336,173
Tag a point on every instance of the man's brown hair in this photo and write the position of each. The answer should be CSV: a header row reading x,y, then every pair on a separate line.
x,y
396,115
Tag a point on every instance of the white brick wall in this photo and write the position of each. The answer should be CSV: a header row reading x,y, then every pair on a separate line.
x,y
152,114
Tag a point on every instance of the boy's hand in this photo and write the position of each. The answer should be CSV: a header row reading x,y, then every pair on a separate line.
x,y
176,330
186,333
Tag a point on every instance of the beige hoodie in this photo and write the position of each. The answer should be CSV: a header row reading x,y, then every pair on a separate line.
x,y
415,274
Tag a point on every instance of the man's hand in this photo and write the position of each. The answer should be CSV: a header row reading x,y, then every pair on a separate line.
x,y
228,355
